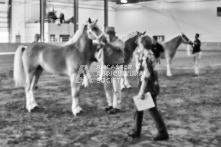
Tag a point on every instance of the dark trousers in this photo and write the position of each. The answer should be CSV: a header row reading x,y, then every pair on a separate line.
x,y
138,118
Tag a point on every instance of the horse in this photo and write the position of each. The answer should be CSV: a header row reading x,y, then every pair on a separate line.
x,y
170,48
62,60
130,46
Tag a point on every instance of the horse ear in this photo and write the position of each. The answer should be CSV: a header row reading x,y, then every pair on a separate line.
x,y
138,32
144,32
96,21
89,20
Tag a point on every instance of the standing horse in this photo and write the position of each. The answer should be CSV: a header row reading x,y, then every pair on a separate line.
x,y
130,46
62,60
170,48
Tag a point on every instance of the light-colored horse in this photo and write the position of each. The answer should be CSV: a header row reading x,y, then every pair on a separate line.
x,y
171,47
62,60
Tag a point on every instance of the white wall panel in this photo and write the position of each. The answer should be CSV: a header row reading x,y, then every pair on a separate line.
x,y
194,17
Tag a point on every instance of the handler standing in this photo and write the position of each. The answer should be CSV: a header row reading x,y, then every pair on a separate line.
x,y
148,83
36,38
157,48
113,62
196,53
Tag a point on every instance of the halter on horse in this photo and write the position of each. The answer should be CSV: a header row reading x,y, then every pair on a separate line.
x,y
170,48
63,60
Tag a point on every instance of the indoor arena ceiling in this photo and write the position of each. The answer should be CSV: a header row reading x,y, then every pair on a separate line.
x,y
168,1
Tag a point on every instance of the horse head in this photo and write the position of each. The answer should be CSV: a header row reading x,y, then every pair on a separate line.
x,y
94,30
185,39
134,39
139,34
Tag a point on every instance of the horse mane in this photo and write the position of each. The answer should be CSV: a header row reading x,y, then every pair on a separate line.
x,y
170,46
77,35
129,36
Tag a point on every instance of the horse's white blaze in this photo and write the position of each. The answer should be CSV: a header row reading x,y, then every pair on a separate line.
x,y
19,74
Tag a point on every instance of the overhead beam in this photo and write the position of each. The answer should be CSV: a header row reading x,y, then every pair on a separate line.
x,y
76,5
10,20
105,13
42,16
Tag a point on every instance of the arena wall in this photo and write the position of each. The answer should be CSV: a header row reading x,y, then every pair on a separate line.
x,y
206,46
170,19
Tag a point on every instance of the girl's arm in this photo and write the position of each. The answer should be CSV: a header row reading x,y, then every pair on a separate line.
x,y
142,89
143,86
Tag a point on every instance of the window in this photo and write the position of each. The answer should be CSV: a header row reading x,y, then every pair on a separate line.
x,y
64,38
52,38
160,38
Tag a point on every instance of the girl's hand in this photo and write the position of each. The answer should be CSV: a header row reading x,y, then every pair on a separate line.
x,y
140,96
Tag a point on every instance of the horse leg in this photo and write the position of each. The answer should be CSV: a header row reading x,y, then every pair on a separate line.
x,y
123,85
30,83
75,91
125,81
85,82
99,79
169,60
36,77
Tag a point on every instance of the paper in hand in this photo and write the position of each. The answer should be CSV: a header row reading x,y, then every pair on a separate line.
x,y
147,103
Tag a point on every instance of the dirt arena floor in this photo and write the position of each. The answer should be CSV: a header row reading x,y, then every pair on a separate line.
x,y
190,106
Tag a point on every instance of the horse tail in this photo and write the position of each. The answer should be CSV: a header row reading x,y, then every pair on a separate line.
x,y
19,74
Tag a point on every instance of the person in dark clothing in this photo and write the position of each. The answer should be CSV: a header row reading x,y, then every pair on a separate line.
x,y
196,45
157,48
196,53
148,83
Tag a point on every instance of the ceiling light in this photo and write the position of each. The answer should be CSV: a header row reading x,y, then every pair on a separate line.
x,y
124,1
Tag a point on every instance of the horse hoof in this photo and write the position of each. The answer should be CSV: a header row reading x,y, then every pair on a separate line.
x,y
122,88
169,75
85,84
76,111
36,109
128,86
